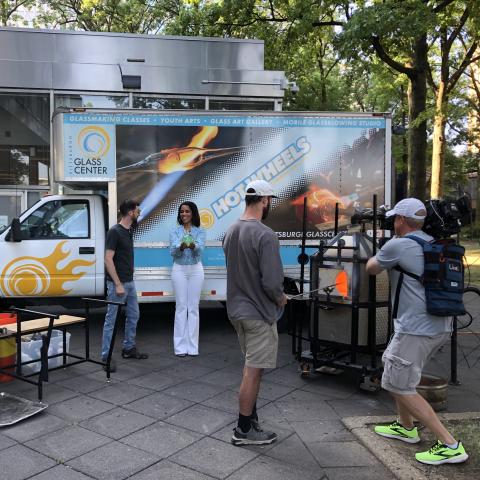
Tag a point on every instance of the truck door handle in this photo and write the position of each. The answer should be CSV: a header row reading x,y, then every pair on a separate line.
x,y
86,250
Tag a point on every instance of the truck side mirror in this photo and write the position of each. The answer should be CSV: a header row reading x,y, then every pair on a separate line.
x,y
15,235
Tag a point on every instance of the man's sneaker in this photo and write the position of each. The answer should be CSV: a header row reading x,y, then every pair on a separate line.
x,y
113,366
396,430
255,424
441,453
134,353
253,437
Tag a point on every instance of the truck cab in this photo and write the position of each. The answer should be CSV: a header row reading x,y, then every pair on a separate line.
x,y
55,249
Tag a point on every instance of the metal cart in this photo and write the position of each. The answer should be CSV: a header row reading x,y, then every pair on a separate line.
x,y
345,317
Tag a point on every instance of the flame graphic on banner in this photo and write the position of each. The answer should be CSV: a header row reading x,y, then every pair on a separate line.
x,y
27,276
174,162
320,204
185,158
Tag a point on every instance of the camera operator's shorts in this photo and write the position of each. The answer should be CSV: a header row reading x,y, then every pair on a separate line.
x,y
404,359
258,341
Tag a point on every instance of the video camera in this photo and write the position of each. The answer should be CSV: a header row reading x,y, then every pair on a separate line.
x,y
444,217
447,217
366,215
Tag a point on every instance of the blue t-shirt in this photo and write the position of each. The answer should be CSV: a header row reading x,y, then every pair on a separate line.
x,y
412,316
188,256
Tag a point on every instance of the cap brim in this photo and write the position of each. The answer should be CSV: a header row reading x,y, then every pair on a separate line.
x,y
390,213
255,194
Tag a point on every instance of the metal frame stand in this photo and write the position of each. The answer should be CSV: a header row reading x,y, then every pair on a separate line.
x,y
362,360
88,301
44,357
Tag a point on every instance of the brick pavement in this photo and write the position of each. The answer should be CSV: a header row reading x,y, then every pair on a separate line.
x,y
169,417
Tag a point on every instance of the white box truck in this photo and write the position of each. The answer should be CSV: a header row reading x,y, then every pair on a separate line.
x,y
161,158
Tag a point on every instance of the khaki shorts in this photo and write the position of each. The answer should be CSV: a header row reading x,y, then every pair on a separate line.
x,y
404,359
258,341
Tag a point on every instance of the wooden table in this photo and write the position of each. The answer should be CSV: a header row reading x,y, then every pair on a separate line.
x,y
39,325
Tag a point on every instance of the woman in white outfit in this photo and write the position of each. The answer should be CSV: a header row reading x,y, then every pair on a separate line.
x,y
187,241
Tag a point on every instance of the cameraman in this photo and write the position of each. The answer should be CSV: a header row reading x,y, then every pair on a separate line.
x,y
417,336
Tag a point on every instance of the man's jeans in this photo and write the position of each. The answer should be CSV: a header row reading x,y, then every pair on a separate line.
x,y
133,313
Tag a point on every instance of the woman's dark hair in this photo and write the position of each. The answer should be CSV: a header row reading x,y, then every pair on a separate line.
x,y
127,206
195,214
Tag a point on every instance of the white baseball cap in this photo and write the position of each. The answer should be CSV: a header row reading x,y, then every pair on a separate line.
x,y
408,207
261,188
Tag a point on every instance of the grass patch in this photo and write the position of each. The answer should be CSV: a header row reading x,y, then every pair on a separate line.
x,y
472,273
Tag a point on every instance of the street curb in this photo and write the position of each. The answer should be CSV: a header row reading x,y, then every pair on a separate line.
x,y
403,468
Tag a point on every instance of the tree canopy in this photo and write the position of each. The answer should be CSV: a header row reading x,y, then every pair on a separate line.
x,y
414,58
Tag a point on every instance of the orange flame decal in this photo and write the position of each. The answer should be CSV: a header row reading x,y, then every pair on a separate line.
x,y
320,204
181,159
28,276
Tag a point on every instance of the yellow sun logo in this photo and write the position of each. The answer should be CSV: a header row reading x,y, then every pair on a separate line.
x,y
94,141
206,218
42,276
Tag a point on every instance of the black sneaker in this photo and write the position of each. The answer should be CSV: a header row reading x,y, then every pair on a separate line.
x,y
134,353
113,366
255,436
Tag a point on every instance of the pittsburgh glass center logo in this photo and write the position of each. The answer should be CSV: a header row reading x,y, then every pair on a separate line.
x,y
94,141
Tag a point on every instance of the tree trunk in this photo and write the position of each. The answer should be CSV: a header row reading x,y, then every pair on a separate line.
x,y
404,175
476,202
323,84
417,99
436,187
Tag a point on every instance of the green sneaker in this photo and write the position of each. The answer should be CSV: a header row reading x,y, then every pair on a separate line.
x,y
395,430
441,453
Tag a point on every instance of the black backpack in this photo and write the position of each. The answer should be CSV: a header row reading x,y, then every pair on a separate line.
x,y
443,277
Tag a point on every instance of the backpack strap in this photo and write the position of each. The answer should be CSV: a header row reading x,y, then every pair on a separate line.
x,y
403,272
397,296
421,242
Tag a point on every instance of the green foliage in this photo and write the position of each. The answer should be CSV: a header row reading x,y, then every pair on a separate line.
x,y
131,16
10,11
324,46
398,24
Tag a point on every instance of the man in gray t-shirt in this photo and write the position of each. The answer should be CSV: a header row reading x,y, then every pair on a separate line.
x,y
417,336
412,316
255,301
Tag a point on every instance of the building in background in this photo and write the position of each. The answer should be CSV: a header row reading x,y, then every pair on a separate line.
x,y
41,70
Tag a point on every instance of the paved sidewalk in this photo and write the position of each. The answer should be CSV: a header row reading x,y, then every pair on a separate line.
x,y
169,417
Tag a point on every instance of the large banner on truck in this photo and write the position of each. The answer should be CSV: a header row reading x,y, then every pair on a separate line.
x,y
209,158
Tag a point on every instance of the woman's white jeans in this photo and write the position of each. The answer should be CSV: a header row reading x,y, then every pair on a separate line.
x,y
187,282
